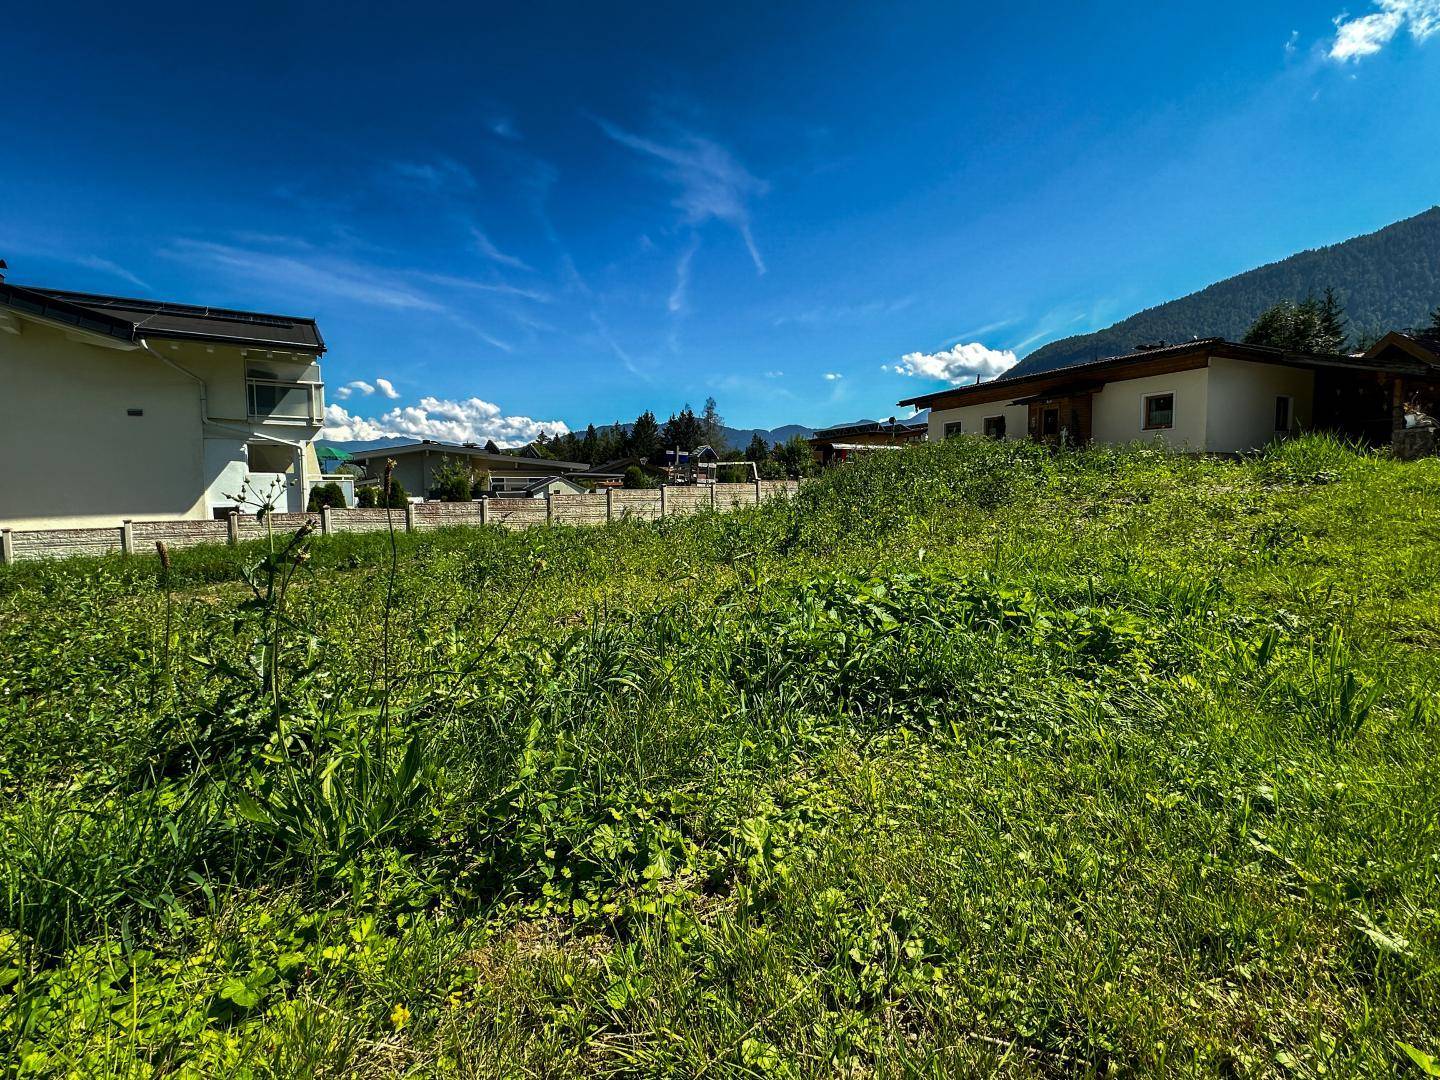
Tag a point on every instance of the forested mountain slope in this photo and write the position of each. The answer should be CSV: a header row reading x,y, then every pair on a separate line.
x,y
1386,280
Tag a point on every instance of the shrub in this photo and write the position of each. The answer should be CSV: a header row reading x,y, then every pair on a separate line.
x,y
636,477
367,498
397,496
453,482
323,495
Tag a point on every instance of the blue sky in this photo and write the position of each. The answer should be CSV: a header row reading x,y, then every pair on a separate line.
x,y
542,214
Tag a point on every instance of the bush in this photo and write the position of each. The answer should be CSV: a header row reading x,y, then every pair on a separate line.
x,y
453,482
397,497
323,495
636,477
367,498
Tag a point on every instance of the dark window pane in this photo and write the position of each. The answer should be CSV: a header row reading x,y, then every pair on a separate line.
x,y
1160,411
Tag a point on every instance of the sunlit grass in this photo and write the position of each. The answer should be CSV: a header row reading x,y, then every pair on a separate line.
x,y
972,758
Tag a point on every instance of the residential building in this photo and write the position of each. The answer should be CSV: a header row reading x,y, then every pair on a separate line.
x,y
417,463
1205,395
118,408
842,442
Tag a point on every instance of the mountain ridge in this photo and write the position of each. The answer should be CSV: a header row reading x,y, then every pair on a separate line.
x,y
1386,279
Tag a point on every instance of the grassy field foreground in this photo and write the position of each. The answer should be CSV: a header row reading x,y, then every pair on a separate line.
x,y
970,758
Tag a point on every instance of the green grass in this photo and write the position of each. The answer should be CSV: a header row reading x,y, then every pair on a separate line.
x,y
972,758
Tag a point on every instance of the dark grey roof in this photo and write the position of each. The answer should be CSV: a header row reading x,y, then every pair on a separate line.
x,y
132,319
464,451
869,427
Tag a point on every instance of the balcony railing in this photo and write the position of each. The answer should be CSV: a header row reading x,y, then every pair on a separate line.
x,y
286,402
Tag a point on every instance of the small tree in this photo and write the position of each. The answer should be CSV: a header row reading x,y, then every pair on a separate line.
x,y
636,477
452,482
368,497
323,495
1332,328
758,450
396,497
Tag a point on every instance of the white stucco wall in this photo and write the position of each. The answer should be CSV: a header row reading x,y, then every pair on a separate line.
x,y
1115,409
74,458
1242,402
972,419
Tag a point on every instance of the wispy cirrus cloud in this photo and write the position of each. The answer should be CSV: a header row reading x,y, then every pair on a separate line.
x,y
437,175
956,365
1365,35
458,421
680,293
487,248
311,275
713,183
95,262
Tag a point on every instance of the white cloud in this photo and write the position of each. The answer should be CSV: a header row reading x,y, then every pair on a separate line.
x,y
956,365
1365,35
831,376
486,247
682,275
470,420
386,387
712,182
351,387
774,374
95,262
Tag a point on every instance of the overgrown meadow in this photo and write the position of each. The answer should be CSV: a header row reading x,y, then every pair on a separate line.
x,y
970,758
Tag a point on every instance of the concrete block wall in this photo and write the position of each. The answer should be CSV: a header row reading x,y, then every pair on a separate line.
x,y
595,509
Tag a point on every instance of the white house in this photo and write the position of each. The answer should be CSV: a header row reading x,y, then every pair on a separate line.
x,y
1206,395
117,408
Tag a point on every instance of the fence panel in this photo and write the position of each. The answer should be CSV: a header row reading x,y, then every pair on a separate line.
x,y
687,499
438,515
733,496
179,534
368,520
519,513
55,543
578,509
641,503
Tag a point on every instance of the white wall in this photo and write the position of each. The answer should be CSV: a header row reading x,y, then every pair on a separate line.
x,y
72,457
1116,418
1242,402
972,419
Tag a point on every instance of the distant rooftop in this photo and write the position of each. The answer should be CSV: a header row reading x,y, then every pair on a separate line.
x,y
130,319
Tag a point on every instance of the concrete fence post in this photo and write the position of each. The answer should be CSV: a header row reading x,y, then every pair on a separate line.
x,y
127,538
663,489
757,492
7,547
609,505
326,526
549,508
409,516
712,495
484,509
232,528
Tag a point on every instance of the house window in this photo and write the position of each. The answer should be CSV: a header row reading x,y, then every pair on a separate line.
x,y
1284,412
952,429
994,427
1158,411
1050,421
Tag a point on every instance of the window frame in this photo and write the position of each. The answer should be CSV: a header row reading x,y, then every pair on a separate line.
x,y
1145,400
953,428
985,426
1289,400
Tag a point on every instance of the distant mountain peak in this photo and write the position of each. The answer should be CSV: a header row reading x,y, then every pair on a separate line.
x,y
1386,279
